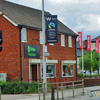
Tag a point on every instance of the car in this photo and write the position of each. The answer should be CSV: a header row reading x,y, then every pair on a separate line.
x,y
85,72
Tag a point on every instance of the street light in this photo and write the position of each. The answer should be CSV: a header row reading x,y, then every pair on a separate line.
x,y
44,60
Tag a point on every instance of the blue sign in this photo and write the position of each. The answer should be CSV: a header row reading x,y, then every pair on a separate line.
x,y
51,29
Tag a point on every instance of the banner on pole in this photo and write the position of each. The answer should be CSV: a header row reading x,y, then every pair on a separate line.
x,y
51,29
88,43
80,40
97,46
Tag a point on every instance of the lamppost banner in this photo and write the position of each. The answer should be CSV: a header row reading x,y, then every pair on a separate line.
x,y
88,43
51,29
97,46
80,40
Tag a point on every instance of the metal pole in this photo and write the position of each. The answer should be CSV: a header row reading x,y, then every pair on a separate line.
x,y
99,57
57,92
83,86
73,89
44,60
82,59
0,92
62,91
91,60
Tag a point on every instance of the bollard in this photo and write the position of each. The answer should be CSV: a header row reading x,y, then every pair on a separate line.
x,y
52,93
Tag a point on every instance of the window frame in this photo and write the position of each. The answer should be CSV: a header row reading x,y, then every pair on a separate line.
x,y
70,41
25,32
41,37
62,70
62,40
46,73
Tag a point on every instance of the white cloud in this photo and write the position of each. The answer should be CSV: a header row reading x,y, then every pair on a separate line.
x,y
79,15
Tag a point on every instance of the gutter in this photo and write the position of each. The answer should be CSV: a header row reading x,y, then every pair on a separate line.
x,y
21,57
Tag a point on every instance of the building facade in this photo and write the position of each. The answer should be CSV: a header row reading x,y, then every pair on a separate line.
x,y
21,34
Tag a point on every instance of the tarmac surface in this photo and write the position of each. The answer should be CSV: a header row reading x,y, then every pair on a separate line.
x,y
91,93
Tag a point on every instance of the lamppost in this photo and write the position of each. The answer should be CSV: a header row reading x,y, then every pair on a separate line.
x,y
44,60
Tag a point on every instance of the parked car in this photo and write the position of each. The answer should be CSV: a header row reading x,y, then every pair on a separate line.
x,y
85,72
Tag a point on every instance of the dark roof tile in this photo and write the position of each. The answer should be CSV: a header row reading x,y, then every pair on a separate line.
x,y
29,17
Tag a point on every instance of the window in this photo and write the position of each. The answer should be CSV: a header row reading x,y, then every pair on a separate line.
x,y
41,37
50,70
67,70
63,40
24,35
69,41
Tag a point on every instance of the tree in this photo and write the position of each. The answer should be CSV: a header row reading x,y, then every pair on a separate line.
x,y
88,62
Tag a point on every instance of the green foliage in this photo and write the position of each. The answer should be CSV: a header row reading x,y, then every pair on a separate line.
x,y
88,62
2,83
80,75
17,87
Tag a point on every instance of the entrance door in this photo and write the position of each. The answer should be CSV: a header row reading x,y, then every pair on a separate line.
x,y
34,72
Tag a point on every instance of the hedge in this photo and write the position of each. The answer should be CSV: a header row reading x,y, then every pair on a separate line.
x,y
17,87
82,75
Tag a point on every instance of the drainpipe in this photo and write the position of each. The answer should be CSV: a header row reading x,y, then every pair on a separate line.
x,y
76,58
21,58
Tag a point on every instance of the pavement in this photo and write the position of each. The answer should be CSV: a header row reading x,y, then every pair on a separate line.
x,y
87,94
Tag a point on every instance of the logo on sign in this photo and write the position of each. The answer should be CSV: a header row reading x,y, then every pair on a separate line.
x,y
51,25
48,18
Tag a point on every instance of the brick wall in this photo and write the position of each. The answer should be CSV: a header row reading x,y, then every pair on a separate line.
x,y
10,55
56,53
92,82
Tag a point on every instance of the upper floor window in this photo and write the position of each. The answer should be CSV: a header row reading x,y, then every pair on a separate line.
x,y
24,35
41,37
63,40
69,41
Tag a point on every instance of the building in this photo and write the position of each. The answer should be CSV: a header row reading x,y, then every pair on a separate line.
x,y
79,51
21,27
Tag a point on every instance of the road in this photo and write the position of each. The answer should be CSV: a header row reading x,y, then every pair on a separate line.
x,y
92,98
95,96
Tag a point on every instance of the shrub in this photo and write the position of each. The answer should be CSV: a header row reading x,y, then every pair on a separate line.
x,y
2,83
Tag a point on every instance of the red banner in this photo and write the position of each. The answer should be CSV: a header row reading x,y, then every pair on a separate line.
x,y
97,46
88,43
80,40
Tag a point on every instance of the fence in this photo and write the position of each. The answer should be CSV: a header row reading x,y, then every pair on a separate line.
x,y
61,90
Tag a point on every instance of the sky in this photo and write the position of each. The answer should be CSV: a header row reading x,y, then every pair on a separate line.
x,y
79,15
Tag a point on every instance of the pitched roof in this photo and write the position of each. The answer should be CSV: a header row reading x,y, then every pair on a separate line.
x,y
94,39
84,45
79,52
29,17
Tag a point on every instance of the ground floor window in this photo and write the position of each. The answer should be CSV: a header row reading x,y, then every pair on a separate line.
x,y
67,70
50,70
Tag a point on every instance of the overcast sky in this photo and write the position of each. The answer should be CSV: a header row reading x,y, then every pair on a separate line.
x,y
78,15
